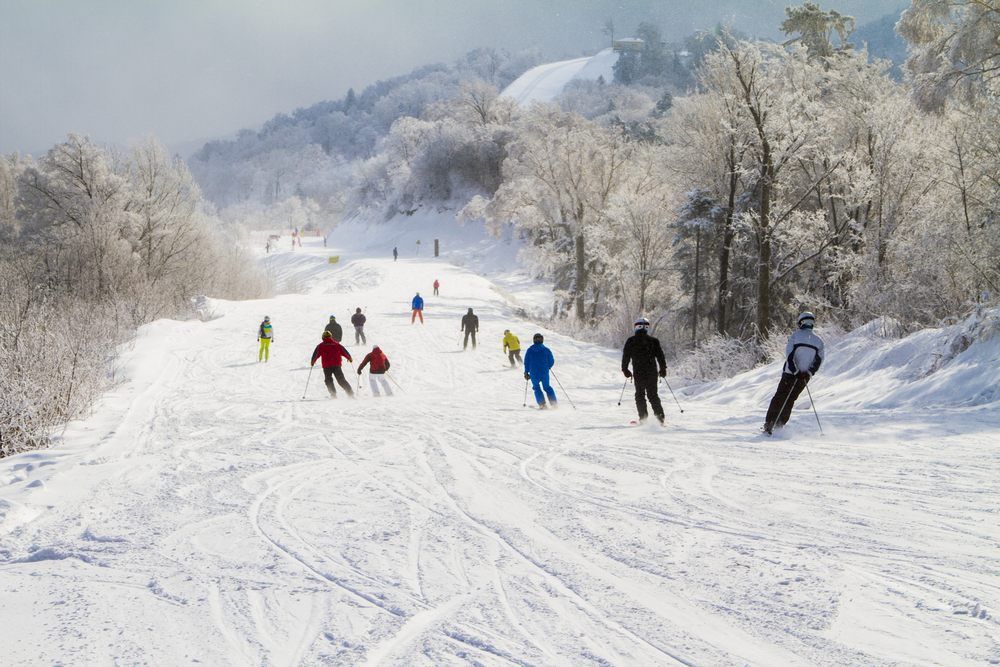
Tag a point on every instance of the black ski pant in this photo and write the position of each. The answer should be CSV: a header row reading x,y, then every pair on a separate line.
x,y
646,388
466,343
359,335
331,372
789,388
514,354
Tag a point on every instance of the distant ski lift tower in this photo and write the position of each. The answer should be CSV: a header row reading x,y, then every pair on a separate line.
x,y
628,44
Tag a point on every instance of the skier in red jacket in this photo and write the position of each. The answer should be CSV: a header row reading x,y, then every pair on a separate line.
x,y
333,354
379,365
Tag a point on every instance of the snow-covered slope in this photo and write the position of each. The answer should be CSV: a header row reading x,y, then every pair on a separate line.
x,y
545,82
207,513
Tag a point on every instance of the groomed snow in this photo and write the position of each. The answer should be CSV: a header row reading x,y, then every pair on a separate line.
x,y
545,82
206,513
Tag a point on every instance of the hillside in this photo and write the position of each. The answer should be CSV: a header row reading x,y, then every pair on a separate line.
x,y
206,498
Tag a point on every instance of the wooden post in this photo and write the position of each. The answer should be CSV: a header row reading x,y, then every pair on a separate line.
x,y
437,248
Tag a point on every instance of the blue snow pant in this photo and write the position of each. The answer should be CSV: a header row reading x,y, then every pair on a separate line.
x,y
539,382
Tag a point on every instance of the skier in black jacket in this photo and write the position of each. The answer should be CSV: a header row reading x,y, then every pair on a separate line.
x,y
470,325
335,329
358,320
648,361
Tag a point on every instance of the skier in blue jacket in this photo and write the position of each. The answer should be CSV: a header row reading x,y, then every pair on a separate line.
x,y
418,309
538,360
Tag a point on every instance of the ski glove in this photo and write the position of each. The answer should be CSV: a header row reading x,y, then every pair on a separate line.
x,y
663,373
627,373
804,376
359,372
527,377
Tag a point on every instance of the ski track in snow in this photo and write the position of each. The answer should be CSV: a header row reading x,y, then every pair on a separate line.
x,y
206,513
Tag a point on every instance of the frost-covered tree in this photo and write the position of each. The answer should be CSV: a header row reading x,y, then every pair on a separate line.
x,y
954,47
559,177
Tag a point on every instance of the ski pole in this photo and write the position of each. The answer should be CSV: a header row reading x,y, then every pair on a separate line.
x,y
525,404
394,381
674,395
311,367
564,391
359,383
813,404
623,392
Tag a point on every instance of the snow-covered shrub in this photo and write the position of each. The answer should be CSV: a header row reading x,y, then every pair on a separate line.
x,y
718,357
98,246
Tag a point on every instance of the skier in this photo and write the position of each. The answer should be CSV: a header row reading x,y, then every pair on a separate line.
x,y
803,356
358,320
436,286
333,354
646,355
265,334
470,325
538,360
395,254
379,366
418,308
335,329
511,347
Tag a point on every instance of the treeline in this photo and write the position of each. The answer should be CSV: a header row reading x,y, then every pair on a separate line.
x,y
792,176
309,154
92,245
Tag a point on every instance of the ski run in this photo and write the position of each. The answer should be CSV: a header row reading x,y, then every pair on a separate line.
x,y
207,513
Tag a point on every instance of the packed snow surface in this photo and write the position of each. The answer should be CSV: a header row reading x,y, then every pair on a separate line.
x,y
545,82
208,513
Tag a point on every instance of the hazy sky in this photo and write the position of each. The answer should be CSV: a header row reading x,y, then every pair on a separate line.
x,y
190,70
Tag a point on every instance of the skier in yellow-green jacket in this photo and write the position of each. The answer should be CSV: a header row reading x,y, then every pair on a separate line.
x,y
512,346
265,334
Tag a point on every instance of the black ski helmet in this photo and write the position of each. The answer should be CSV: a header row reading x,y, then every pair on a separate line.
x,y
537,338
806,320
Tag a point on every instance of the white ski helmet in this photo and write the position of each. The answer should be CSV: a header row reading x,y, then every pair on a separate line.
x,y
641,323
806,320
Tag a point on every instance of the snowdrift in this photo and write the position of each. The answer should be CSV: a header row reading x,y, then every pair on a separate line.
x,y
953,366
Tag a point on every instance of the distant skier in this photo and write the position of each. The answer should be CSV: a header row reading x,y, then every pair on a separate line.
x,y
803,357
647,359
470,325
265,334
538,361
333,355
335,329
358,319
511,347
376,372
395,254
436,286
418,309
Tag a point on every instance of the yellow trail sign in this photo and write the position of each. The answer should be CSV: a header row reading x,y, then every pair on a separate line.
x,y
333,259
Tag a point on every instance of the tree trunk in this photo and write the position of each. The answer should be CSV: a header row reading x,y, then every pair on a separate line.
x,y
697,270
764,246
581,276
727,243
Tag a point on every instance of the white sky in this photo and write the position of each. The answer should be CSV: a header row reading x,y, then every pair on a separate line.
x,y
191,70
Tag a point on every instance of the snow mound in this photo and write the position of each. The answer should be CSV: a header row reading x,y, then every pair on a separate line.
x,y
545,82
953,366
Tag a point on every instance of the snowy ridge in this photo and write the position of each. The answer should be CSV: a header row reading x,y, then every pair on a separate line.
x,y
545,82
207,513
954,366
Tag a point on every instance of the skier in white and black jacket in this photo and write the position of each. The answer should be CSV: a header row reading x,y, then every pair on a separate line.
x,y
803,357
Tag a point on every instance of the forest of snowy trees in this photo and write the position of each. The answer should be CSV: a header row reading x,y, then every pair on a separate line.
x,y
720,187
791,176
94,244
